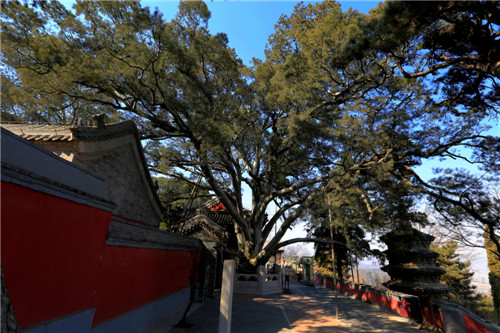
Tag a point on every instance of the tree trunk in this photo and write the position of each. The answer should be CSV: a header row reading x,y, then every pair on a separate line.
x,y
494,275
9,321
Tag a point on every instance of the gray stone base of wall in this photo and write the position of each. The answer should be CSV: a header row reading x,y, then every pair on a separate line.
x,y
166,310
170,320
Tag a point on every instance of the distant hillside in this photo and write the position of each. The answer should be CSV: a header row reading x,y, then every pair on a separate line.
x,y
374,276
480,280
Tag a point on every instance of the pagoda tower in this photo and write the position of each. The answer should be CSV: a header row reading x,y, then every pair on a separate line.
x,y
412,264
413,270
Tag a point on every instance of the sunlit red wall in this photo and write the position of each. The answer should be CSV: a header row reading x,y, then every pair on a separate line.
x,y
401,307
474,327
55,261
368,295
50,253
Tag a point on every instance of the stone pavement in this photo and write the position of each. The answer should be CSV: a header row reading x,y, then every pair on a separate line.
x,y
358,316
307,309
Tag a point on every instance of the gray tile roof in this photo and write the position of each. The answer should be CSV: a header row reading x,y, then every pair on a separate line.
x,y
220,217
41,132
33,132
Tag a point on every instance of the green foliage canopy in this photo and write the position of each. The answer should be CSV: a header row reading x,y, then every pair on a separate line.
x,y
333,106
399,87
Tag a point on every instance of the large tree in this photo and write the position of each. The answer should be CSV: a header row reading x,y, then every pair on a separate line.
x,y
408,84
455,47
182,85
314,116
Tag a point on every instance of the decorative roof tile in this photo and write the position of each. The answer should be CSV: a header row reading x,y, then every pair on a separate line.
x,y
41,132
221,217
71,133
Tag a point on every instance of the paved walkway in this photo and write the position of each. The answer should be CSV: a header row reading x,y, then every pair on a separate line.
x,y
307,309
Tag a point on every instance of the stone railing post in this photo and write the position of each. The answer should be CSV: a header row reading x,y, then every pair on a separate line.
x,y
280,276
261,272
226,298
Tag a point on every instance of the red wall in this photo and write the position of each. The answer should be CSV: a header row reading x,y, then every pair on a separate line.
x,y
131,277
403,308
50,253
55,261
366,295
474,327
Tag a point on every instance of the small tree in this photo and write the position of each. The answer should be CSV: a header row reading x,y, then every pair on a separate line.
x,y
494,274
323,255
176,195
457,275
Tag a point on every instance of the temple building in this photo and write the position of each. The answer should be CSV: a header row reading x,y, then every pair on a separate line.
x,y
211,224
81,250
214,226
111,151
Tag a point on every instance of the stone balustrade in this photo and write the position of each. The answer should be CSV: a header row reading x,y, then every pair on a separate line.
x,y
260,284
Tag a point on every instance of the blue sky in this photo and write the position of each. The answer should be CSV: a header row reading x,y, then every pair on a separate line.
x,y
248,24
